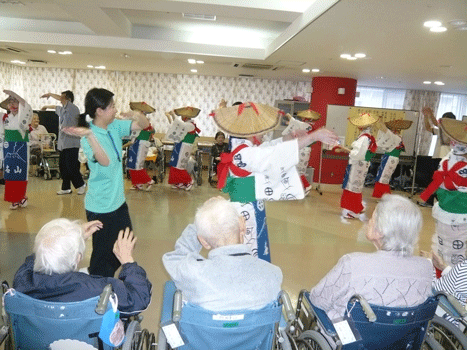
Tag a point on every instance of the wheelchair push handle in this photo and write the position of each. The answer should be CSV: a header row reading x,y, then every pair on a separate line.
x,y
370,314
289,311
101,307
177,306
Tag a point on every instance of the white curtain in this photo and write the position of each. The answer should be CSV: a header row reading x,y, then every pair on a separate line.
x,y
416,100
160,90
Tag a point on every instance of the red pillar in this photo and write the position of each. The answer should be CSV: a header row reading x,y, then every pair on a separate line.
x,y
326,92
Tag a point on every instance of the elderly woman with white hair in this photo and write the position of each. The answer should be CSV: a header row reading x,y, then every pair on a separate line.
x,y
51,273
391,276
230,278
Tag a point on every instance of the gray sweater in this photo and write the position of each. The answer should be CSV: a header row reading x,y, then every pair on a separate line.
x,y
229,279
384,278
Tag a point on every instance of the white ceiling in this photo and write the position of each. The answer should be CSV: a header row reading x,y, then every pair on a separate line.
x,y
289,35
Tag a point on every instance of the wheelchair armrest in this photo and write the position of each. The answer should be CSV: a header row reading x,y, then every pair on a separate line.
x,y
101,307
287,304
365,307
3,334
324,321
451,305
177,306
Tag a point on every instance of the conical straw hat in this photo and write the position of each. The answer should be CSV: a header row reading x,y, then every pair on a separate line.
x,y
399,124
141,106
309,114
4,104
247,119
455,129
187,112
363,120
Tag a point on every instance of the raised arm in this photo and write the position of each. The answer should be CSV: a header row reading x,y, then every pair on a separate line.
x,y
49,94
429,119
98,151
323,135
140,121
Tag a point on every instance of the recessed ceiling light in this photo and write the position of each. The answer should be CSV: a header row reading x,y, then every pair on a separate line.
x,y
200,62
345,55
99,67
432,24
305,70
438,29
191,61
194,71
461,27
315,70
360,55
65,52
18,62
439,83
427,82
51,51
352,58
90,66
125,55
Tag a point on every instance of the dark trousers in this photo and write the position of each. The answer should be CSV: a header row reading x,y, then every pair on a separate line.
x,y
103,260
69,168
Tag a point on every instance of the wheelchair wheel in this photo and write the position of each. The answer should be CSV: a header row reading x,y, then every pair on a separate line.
x,y
430,343
447,335
312,340
134,328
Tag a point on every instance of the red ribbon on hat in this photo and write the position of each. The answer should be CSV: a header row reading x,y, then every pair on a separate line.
x,y
450,178
244,105
226,164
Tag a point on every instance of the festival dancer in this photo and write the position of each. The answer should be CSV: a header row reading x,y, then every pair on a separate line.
x,y
254,171
363,149
450,184
183,132
14,130
389,140
139,149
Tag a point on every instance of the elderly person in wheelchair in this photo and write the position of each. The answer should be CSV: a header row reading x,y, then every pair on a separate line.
x,y
391,276
51,273
231,278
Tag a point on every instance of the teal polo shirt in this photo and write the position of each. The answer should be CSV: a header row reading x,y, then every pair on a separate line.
x,y
105,185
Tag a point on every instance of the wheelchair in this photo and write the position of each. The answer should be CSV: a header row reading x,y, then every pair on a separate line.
x,y
157,162
377,327
232,330
32,324
48,159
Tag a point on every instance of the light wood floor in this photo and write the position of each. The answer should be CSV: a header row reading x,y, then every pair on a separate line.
x,y
307,237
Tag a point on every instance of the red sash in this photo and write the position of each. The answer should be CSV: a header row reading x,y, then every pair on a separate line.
x,y
373,146
226,164
450,178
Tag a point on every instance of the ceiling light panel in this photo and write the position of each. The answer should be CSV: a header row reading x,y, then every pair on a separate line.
x,y
432,24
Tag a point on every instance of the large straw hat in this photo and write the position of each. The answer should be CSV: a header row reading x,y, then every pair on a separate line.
x,y
455,129
141,106
309,114
399,124
187,112
363,120
4,104
247,119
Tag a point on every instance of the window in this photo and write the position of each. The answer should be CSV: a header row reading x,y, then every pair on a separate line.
x,y
380,98
455,103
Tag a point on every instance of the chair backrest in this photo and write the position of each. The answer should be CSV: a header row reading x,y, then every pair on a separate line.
x,y
240,329
35,323
394,328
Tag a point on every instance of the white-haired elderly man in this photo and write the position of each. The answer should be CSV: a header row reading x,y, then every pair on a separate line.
x,y
51,273
391,276
231,278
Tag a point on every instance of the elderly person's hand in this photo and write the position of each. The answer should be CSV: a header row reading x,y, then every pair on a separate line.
x,y
123,247
90,227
